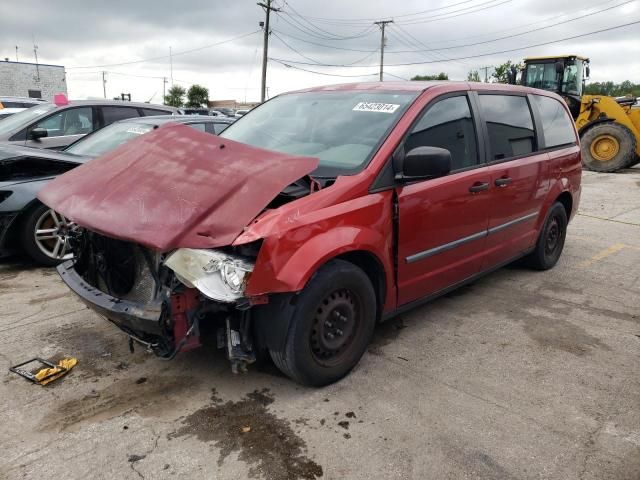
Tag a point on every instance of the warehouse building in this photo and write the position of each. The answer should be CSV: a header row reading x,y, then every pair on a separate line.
x,y
21,79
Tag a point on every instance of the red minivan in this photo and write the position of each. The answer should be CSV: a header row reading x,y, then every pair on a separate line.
x,y
317,215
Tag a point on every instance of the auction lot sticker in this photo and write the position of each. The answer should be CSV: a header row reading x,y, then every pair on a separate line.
x,y
375,107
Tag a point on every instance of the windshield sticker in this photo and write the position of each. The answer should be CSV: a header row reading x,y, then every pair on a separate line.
x,y
137,130
375,107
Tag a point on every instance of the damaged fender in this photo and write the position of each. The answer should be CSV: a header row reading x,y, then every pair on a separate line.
x,y
364,227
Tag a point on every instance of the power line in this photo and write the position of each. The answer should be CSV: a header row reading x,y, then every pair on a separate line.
x,y
163,57
302,28
458,13
481,54
366,21
322,44
316,61
515,34
321,73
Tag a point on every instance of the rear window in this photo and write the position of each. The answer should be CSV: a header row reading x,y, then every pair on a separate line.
x,y
557,125
150,112
509,124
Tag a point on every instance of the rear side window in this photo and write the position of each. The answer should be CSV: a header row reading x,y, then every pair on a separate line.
x,y
113,114
509,125
447,124
150,112
557,126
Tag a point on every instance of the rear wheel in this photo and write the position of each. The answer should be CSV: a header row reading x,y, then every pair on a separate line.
x,y
551,239
45,236
331,326
608,147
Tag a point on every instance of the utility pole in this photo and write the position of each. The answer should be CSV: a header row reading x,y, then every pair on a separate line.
x,y
35,53
164,86
382,24
486,73
171,65
265,47
16,53
104,84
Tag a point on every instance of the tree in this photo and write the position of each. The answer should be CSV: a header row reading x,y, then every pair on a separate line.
x,y
501,72
613,89
175,96
473,76
439,76
197,96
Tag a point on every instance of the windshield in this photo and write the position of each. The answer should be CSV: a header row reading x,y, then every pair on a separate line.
x,y
108,138
543,76
22,119
342,129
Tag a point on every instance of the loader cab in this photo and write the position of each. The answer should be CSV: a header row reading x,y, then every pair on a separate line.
x,y
562,75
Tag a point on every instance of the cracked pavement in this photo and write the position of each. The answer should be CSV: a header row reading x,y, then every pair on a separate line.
x,y
521,375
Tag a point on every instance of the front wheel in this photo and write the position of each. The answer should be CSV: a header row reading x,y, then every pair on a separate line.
x,y
608,147
551,239
331,326
45,235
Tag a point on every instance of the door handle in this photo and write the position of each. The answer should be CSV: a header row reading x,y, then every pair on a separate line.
x,y
479,187
502,182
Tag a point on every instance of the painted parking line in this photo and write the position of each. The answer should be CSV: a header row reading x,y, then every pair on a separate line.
x,y
603,254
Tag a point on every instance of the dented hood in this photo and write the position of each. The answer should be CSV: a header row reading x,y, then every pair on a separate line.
x,y
174,187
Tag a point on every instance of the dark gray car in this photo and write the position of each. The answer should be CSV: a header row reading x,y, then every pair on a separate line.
x,y
25,223
55,126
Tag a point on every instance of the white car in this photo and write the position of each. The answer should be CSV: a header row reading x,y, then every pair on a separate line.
x,y
11,105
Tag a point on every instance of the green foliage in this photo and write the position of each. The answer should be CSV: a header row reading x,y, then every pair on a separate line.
x,y
612,89
439,76
501,72
473,76
175,96
197,96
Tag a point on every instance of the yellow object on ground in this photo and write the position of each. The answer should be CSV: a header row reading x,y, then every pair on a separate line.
x,y
48,375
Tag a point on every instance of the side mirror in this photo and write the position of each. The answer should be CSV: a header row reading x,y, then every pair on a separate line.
x,y
422,163
588,71
38,133
559,67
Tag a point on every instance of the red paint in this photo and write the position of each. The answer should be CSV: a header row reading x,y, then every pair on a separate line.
x,y
174,187
176,167
181,304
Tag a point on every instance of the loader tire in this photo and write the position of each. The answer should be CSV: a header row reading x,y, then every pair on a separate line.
x,y
608,147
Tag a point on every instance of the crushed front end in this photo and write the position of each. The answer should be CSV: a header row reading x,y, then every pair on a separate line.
x,y
166,302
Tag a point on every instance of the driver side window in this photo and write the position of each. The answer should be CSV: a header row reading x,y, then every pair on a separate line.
x,y
447,124
71,121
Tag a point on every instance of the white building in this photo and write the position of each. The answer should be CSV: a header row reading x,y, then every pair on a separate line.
x,y
22,79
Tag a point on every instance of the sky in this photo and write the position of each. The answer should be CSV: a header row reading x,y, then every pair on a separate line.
x,y
218,43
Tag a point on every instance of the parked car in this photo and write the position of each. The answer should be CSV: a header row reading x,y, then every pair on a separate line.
x,y
240,113
27,224
321,213
12,105
54,126
229,112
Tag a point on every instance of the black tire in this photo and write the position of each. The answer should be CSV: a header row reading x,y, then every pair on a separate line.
x,y
331,326
626,148
551,239
27,234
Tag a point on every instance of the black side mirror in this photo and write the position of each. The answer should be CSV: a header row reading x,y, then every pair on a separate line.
x,y
422,163
588,71
559,67
38,133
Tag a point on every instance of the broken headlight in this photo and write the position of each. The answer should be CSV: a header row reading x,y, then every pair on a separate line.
x,y
218,275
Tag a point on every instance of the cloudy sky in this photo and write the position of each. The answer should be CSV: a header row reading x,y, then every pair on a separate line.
x,y
218,43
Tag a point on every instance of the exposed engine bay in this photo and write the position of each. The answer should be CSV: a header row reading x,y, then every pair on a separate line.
x,y
139,280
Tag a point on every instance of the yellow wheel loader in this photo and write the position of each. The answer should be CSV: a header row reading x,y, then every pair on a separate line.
x,y
609,127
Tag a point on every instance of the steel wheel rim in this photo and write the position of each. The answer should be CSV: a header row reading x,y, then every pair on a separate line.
x,y
336,322
51,235
553,236
604,148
